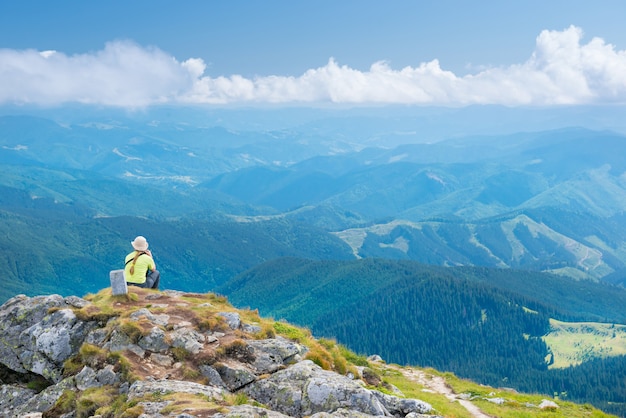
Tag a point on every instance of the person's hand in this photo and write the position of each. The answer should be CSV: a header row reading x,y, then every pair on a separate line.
x,y
148,252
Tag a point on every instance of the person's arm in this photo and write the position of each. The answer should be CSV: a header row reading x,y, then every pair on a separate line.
x,y
153,265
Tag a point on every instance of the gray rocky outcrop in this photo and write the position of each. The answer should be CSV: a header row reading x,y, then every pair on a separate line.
x,y
305,389
39,335
548,404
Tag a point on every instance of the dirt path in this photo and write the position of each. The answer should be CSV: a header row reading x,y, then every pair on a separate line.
x,y
438,384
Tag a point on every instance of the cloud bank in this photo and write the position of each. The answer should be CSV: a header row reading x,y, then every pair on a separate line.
x,y
561,70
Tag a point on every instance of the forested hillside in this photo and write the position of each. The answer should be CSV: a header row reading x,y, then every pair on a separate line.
x,y
49,248
475,322
304,290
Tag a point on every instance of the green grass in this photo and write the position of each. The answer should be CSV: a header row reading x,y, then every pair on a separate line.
x,y
574,342
519,405
516,405
413,390
292,332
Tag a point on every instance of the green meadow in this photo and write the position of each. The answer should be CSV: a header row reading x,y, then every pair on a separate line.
x,y
571,343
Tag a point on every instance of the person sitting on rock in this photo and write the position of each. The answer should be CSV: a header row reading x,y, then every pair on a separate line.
x,y
140,269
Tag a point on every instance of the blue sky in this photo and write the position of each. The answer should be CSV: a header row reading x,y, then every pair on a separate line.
x,y
138,53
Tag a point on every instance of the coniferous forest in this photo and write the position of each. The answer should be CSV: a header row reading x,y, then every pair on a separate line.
x,y
474,332
452,319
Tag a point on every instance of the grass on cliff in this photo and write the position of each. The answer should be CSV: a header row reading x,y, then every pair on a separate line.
x,y
515,405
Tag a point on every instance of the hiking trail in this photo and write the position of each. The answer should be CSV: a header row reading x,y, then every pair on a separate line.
x,y
438,384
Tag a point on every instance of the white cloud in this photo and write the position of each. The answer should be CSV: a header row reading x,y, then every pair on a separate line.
x,y
122,74
561,70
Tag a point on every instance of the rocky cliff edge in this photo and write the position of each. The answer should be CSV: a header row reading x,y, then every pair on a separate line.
x,y
174,354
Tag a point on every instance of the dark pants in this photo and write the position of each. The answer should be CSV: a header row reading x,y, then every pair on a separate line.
x,y
152,280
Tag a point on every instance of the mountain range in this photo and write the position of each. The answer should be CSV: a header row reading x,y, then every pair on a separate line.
x,y
548,201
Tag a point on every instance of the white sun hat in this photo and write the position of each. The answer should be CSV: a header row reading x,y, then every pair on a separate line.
x,y
140,243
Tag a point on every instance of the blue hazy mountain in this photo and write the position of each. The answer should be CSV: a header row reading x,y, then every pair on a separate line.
x,y
484,186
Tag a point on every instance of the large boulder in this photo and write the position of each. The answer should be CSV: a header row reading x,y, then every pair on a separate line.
x,y
38,334
272,354
305,389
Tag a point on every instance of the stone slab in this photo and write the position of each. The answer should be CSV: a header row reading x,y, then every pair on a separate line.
x,y
118,282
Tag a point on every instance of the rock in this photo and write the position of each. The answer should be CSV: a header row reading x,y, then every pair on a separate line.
x,y
155,341
232,319
212,376
119,341
17,315
151,409
188,339
160,319
271,354
234,376
34,340
86,379
370,377
76,302
50,339
38,335
547,404
402,406
12,396
342,413
305,389
250,329
107,376
142,387
497,401
97,337
249,411
45,399
161,359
